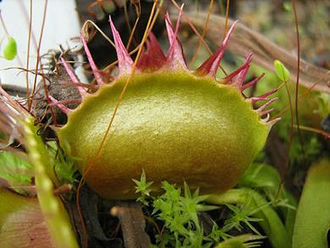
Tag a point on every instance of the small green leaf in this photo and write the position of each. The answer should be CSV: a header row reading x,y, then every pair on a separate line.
x,y
9,48
143,187
281,71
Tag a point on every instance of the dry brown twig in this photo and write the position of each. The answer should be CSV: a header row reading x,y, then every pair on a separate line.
x,y
132,223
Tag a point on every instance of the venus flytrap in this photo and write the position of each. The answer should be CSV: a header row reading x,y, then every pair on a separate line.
x,y
22,223
57,219
177,125
313,214
173,123
313,108
58,223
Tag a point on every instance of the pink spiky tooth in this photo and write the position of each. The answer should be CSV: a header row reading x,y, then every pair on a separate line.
x,y
61,106
266,112
210,66
262,111
255,99
73,77
263,97
95,70
252,82
125,61
262,107
154,58
175,55
272,122
237,77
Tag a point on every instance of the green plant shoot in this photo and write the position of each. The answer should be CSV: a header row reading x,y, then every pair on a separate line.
x,y
281,71
10,48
